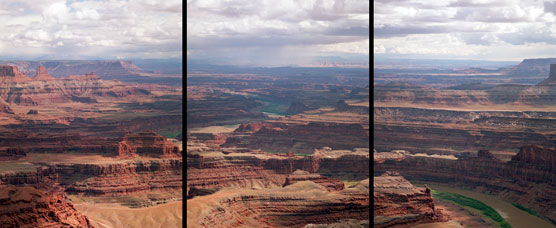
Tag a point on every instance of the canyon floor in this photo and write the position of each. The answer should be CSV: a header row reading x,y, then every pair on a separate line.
x,y
114,215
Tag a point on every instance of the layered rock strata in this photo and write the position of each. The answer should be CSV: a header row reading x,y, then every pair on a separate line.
x,y
44,89
295,205
303,138
300,175
529,179
31,207
218,172
12,74
147,143
42,74
11,154
5,108
396,202
551,80
122,178
322,161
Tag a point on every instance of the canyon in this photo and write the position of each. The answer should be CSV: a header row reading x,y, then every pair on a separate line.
x,y
489,137
528,179
82,139
272,150
397,202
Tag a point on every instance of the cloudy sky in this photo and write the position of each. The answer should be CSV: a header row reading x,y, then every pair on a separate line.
x,y
277,32
98,28
465,29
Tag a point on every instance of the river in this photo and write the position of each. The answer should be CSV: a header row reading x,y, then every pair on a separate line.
x,y
515,217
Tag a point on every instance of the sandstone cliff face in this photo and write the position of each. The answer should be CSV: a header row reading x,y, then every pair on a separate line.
x,y
551,80
31,207
303,138
11,154
300,175
12,74
293,206
538,155
424,138
500,94
218,172
43,89
5,108
529,179
120,178
398,202
42,74
148,143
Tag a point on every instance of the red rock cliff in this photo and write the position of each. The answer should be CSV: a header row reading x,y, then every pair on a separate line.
x,y
148,143
42,74
398,202
31,207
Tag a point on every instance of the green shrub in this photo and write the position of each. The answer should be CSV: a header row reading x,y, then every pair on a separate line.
x,y
472,203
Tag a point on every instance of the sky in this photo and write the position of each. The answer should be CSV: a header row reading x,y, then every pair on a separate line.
x,y
277,32
496,30
107,29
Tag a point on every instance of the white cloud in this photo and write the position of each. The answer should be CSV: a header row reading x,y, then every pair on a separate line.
x,y
107,28
253,31
463,29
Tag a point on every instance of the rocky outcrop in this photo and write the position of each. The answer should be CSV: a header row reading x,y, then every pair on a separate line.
x,y
297,107
537,155
397,202
12,74
21,90
303,138
295,205
42,74
300,175
439,139
148,144
528,179
122,178
11,154
125,150
194,191
5,107
32,112
551,80
217,172
249,127
31,207
342,106
251,171
532,67
485,154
